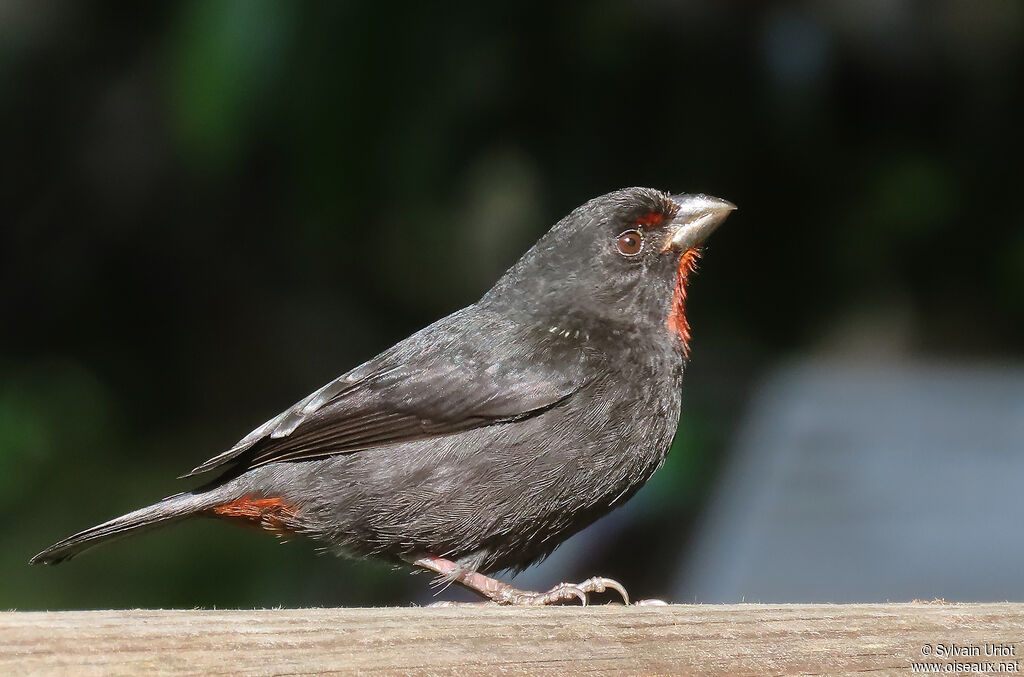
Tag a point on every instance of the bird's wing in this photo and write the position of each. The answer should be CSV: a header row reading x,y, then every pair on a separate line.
x,y
468,370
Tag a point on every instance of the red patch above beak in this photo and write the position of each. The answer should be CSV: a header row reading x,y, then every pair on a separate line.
x,y
650,219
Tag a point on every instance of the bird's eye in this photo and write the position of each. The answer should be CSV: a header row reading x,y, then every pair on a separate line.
x,y
630,243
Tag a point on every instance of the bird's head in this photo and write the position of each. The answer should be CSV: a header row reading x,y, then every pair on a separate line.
x,y
620,260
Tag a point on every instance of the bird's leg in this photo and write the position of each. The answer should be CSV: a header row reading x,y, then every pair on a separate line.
x,y
503,593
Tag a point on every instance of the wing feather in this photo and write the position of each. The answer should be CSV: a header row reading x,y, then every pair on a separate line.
x,y
470,369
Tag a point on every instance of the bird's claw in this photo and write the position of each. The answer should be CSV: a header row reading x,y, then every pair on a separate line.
x,y
601,584
503,593
567,591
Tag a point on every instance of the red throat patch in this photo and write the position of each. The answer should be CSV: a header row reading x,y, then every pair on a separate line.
x,y
677,322
269,514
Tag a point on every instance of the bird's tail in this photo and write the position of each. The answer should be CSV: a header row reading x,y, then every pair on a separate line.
x,y
167,511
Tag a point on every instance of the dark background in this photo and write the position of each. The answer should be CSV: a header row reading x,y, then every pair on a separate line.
x,y
209,209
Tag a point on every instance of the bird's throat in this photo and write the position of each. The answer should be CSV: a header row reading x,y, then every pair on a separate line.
x,y
677,322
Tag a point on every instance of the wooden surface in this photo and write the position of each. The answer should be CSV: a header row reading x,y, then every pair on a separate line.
x,y
675,640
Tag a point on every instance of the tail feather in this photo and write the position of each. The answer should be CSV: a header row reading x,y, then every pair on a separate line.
x,y
167,511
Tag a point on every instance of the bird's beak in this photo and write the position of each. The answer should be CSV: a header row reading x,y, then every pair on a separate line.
x,y
697,218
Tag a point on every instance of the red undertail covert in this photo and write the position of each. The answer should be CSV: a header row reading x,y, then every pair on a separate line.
x,y
269,514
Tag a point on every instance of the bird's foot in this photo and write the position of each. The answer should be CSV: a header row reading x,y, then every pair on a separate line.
x,y
563,592
448,604
505,594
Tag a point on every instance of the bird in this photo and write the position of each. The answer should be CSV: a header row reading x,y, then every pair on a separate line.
x,y
480,443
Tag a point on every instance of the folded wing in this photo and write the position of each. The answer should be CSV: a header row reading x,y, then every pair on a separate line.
x,y
467,370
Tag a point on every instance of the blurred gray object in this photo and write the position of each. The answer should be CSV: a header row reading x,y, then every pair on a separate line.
x,y
854,483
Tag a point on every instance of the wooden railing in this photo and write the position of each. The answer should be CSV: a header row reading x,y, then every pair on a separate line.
x,y
674,640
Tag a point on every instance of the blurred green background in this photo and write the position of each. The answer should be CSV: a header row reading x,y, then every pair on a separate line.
x,y
210,208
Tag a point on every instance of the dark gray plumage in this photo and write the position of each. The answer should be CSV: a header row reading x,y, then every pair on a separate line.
x,y
495,433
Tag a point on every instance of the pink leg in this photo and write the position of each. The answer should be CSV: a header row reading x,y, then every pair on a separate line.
x,y
503,593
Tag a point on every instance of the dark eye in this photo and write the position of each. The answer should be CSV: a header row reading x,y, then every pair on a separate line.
x,y
630,243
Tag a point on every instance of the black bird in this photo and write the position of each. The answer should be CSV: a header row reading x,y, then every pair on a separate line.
x,y
483,441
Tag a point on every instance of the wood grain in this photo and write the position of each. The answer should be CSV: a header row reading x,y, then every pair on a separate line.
x,y
745,639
